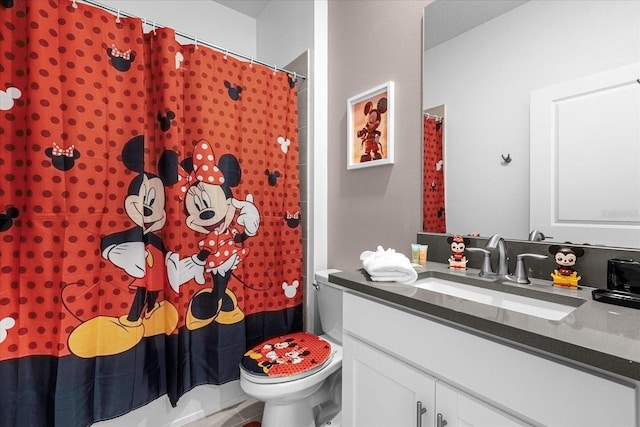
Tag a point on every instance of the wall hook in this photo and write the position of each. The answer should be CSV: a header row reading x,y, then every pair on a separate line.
x,y
506,160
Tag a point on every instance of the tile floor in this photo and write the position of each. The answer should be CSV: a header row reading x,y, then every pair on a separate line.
x,y
237,416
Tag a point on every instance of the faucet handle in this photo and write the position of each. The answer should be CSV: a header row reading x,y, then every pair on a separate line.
x,y
520,275
538,236
486,269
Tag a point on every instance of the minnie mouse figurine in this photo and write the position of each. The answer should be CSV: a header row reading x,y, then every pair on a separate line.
x,y
457,261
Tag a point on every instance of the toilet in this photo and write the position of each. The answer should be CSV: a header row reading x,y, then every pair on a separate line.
x,y
298,375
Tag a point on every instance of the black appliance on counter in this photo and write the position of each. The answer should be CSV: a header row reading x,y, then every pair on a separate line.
x,y
623,284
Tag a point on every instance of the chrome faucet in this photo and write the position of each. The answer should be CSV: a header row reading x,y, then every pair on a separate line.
x,y
496,241
520,275
486,270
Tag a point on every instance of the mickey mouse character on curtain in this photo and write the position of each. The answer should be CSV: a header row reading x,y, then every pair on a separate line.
x,y
211,209
140,252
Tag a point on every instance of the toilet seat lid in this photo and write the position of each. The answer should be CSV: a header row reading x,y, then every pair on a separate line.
x,y
287,357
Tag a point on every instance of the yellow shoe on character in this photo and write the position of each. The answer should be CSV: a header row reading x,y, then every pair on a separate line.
x,y
192,322
234,315
105,336
162,319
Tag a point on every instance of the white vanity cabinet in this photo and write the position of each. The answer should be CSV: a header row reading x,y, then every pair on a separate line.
x,y
381,391
461,410
394,358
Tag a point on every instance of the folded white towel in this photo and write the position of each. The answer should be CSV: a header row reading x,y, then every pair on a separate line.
x,y
388,266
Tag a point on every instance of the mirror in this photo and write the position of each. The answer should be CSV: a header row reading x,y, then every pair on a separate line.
x,y
482,61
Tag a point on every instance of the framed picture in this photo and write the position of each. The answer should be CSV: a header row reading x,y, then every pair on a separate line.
x,y
370,127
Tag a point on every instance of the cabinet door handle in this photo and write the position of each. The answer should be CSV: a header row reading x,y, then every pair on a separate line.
x,y
440,421
420,411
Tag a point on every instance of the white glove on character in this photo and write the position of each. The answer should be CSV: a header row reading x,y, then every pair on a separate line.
x,y
249,216
129,256
225,267
180,271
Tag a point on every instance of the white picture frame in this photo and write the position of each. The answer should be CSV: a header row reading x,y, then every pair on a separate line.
x,y
370,127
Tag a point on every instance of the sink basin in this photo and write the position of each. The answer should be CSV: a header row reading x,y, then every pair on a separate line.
x,y
523,304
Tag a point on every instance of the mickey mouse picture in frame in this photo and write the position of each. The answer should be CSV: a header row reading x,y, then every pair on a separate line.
x,y
370,127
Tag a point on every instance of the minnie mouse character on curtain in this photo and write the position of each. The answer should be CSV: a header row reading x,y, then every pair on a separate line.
x,y
211,209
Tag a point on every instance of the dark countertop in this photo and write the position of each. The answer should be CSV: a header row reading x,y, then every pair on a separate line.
x,y
602,337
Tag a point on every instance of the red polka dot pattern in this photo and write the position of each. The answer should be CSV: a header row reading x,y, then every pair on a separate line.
x,y
434,218
86,86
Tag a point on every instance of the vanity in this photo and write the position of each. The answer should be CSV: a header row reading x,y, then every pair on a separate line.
x,y
419,355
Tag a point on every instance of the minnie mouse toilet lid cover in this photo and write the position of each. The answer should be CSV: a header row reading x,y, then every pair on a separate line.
x,y
291,355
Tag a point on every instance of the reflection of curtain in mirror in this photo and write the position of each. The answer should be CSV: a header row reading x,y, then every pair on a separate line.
x,y
434,219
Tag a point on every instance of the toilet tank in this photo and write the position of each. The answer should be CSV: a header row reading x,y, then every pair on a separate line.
x,y
329,304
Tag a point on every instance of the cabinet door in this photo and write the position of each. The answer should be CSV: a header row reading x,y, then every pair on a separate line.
x,y
381,391
460,410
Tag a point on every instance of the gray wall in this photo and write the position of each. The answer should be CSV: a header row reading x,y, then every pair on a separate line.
x,y
300,65
370,43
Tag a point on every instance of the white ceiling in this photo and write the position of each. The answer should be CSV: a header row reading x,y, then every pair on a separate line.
x,y
252,8
445,19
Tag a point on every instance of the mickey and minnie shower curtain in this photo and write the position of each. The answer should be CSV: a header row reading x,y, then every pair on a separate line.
x,y
149,213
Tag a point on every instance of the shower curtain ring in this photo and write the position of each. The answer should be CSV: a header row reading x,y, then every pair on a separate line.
x,y
251,63
226,52
154,28
275,69
74,4
196,40
118,17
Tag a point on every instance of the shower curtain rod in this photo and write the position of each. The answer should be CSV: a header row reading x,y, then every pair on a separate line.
x,y
433,116
120,13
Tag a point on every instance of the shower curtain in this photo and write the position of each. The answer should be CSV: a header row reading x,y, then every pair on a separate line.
x,y
434,218
149,213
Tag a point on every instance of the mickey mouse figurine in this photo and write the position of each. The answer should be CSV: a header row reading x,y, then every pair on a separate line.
x,y
565,256
457,261
370,134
